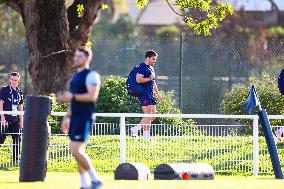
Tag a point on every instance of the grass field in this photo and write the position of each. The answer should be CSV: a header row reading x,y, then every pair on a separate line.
x,y
229,155
9,180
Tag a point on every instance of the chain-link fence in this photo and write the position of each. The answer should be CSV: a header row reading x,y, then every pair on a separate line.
x,y
198,70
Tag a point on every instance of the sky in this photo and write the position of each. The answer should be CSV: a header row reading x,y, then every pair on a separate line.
x,y
259,5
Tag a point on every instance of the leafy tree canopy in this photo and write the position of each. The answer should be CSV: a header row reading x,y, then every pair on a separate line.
x,y
201,15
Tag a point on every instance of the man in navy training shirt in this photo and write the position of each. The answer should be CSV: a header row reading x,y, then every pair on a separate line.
x,y
11,99
146,77
83,94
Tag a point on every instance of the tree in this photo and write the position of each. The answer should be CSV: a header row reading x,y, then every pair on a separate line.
x,y
53,31
11,27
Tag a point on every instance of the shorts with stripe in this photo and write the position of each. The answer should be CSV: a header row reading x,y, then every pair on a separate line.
x,y
80,128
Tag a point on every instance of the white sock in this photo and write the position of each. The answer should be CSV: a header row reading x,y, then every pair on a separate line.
x,y
138,127
84,180
146,135
93,174
279,132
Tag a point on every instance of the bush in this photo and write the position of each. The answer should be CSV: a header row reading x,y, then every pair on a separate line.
x,y
55,121
113,98
168,32
123,28
268,93
275,32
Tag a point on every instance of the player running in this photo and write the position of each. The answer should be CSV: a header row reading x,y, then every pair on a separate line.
x,y
83,94
146,77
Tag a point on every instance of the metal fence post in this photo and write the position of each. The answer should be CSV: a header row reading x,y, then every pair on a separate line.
x,y
181,68
122,140
255,147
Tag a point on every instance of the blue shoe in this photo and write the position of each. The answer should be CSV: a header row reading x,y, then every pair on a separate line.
x,y
96,184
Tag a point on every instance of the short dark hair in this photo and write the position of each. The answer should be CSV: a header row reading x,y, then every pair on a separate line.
x,y
150,53
15,74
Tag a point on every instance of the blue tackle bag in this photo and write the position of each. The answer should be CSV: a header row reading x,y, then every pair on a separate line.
x,y
281,82
134,88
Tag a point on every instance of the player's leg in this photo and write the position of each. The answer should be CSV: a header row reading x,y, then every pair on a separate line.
x,y
144,102
151,109
83,176
15,130
143,123
3,133
279,132
78,151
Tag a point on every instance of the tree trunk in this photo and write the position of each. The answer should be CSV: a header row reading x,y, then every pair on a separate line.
x,y
50,46
47,37
50,41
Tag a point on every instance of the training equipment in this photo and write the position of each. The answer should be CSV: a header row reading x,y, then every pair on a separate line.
x,y
251,103
270,144
133,88
184,171
35,139
281,82
132,171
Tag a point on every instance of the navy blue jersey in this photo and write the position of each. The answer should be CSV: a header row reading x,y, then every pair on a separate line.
x,y
147,71
12,99
78,85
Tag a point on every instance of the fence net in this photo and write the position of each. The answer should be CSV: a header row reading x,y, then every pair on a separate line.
x,y
200,78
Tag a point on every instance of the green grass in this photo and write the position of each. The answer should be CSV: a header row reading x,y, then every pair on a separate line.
x,y
231,155
9,180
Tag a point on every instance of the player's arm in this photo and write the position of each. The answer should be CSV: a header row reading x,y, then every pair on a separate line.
x,y
93,83
65,125
90,96
156,91
141,79
21,108
3,121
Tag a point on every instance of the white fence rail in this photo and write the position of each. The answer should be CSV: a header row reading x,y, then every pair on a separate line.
x,y
225,146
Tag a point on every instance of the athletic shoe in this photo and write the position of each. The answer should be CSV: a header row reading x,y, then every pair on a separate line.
x,y
134,132
96,185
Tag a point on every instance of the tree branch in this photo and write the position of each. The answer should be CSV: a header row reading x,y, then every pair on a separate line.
x,y
80,27
274,6
16,5
142,11
173,8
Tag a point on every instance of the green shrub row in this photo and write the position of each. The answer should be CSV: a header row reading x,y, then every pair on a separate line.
x,y
113,98
268,93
